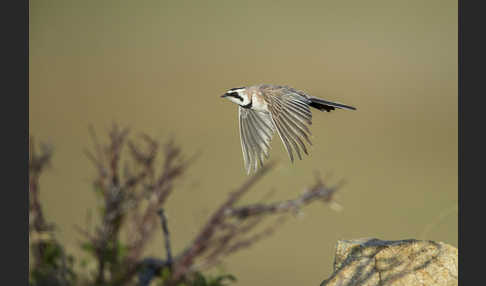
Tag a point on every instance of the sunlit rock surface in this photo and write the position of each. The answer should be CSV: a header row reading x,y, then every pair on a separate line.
x,y
368,262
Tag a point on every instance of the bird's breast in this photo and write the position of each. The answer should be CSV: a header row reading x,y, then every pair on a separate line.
x,y
258,103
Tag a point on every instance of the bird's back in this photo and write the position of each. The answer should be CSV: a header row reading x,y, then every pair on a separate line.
x,y
270,90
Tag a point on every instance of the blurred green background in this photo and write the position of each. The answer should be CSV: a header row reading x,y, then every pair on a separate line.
x,y
160,66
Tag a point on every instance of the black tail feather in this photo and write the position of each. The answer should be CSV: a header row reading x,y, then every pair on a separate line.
x,y
324,105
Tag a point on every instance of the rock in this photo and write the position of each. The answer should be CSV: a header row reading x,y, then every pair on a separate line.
x,y
368,262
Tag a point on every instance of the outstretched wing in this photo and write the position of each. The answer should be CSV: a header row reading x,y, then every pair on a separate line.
x,y
256,132
291,116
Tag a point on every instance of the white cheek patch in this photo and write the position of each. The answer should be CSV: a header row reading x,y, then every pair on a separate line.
x,y
235,100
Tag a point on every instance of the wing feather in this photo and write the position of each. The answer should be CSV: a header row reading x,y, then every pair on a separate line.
x,y
299,126
255,141
260,134
284,139
290,135
244,143
291,116
294,130
262,126
255,135
297,113
253,148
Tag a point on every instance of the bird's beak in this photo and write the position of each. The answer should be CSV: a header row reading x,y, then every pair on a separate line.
x,y
224,95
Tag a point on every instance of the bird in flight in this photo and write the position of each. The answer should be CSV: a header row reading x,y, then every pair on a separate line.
x,y
266,109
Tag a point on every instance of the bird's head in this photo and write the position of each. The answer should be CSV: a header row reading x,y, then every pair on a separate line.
x,y
238,95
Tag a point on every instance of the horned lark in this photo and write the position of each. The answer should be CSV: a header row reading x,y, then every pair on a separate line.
x,y
266,109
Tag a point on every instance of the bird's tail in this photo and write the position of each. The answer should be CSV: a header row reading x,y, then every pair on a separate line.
x,y
324,105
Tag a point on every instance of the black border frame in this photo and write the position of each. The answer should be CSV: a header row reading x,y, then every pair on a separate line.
x,y
471,65
15,83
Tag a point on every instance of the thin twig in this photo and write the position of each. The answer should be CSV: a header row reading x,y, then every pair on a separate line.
x,y
165,230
